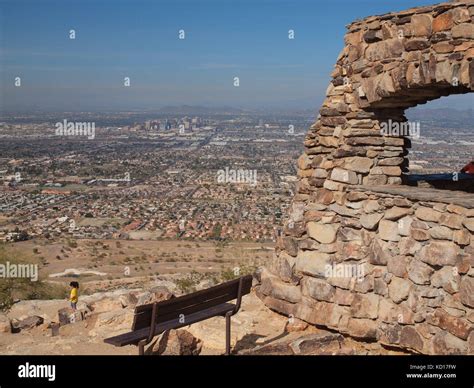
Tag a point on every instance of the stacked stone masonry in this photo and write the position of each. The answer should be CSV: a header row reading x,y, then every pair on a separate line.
x,y
416,290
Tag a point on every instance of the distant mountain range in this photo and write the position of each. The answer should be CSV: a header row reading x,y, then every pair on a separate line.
x,y
196,109
200,110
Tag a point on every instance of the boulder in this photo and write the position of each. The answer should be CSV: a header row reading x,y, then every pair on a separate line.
x,y
316,343
106,304
112,323
67,315
128,300
177,343
26,323
157,294
47,309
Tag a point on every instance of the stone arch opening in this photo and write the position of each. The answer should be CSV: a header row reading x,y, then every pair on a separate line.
x,y
415,248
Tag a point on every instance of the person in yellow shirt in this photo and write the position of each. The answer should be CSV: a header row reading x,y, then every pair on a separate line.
x,y
74,295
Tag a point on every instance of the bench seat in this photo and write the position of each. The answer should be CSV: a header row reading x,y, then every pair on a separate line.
x,y
132,338
155,318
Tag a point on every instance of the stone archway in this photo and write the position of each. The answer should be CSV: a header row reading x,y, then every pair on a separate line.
x,y
390,63
416,289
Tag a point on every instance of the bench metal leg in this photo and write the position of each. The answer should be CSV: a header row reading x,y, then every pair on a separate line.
x,y
151,334
227,333
141,347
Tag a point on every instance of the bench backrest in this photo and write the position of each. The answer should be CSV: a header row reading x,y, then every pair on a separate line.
x,y
191,303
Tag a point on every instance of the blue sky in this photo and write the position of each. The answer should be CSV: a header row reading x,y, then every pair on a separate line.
x,y
139,39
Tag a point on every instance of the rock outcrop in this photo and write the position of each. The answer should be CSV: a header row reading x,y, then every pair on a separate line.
x,y
177,343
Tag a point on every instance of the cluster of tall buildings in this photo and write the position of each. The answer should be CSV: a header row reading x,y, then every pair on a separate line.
x,y
184,123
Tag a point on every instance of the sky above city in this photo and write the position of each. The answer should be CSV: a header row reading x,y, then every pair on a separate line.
x,y
139,39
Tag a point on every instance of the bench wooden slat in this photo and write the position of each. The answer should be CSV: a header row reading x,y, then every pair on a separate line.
x,y
190,303
185,311
208,293
132,338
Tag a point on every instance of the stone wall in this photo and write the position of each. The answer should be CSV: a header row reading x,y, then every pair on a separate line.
x,y
414,250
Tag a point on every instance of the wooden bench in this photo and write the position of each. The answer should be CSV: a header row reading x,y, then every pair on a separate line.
x,y
155,318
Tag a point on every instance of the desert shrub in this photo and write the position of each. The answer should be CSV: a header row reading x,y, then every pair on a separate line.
x,y
12,289
72,243
189,282
232,273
